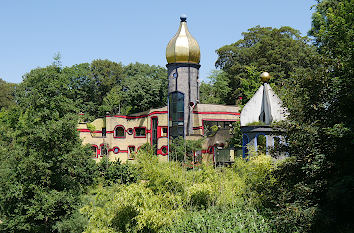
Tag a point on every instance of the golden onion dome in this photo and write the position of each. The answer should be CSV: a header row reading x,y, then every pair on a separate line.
x,y
183,48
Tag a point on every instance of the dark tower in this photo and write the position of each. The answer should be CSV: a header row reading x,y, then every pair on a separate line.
x,y
183,57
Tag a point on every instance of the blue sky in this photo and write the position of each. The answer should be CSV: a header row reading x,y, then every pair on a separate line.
x,y
31,32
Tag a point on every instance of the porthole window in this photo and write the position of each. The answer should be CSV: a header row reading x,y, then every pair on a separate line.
x,y
116,150
130,131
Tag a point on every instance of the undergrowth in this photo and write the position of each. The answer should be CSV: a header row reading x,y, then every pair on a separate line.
x,y
168,198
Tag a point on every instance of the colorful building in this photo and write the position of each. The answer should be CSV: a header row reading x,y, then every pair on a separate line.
x,y
119,136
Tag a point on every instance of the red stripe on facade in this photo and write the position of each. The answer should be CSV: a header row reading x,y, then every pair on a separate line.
x,y
225,113
84,130
141,116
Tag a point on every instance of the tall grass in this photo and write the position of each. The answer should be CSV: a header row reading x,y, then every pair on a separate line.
x,y
168,198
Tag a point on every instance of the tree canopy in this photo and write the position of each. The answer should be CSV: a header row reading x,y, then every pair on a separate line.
x,y
279,51
44,166
6,94
318,181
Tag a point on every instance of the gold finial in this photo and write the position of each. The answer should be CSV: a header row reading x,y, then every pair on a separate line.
x,y
183,48
265,77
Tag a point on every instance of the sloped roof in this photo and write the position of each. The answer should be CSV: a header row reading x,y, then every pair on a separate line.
x,y
265,106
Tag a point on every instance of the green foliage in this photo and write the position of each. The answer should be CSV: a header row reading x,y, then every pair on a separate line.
x,y
315,185
105,86
278,51
44,166
170,198
181,150
236,219
144,87
216,90
256,123
6,94
236,140
91,127
114,172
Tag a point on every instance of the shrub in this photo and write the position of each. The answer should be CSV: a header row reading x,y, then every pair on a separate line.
x,y
238,219
116,172
171,198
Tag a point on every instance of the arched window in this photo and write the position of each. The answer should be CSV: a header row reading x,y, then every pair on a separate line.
x,y
277,143
245,141
261,144
119,131
176,114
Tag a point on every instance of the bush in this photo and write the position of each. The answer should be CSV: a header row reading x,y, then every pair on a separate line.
x,y
237,219
116,172
170,198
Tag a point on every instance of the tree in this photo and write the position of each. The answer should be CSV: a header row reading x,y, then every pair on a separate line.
x,y
106,86
278,51
144,87
317,182
113,102
216,90
6,94
44,166
106,74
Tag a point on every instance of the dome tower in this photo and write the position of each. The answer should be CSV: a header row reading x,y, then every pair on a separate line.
x,y
183,57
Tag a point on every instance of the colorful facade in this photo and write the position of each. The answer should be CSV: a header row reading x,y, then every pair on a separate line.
x,y
119,137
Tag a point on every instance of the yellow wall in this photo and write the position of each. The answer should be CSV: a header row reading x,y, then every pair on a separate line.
x,y
202,113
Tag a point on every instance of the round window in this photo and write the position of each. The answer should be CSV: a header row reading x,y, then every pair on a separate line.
x,y
130,131
116,150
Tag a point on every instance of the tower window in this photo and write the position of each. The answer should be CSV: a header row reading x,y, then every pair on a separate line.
x,y
176,114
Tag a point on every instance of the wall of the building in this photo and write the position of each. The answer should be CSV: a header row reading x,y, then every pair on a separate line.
x,y
130,123
201,114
